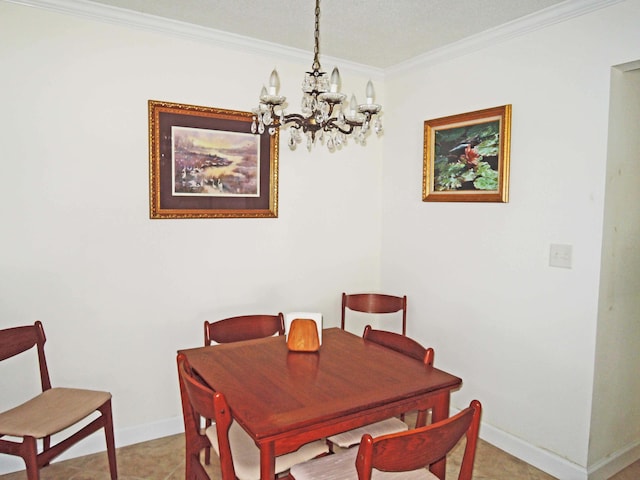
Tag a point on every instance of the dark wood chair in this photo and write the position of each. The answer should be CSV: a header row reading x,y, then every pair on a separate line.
x,y
375,303
406,346
238,453
237,329
52,411
403,455
400,343
245,327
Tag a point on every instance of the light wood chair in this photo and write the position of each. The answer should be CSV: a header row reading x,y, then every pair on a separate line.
x,y
238,453
245,327
374,303
52,411
401,456
402,344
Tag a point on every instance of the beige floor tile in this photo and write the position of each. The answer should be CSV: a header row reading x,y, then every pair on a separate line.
x,y
163,459
632,472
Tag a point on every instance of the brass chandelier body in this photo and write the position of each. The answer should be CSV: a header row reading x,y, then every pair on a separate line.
x,y
324,116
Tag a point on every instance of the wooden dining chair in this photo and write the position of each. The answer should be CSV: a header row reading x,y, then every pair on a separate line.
x,y
374,303
402,344
50,412
238,453
403,455
245,327
237,329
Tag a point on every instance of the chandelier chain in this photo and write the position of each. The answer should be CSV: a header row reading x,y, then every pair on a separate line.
x,y
316,48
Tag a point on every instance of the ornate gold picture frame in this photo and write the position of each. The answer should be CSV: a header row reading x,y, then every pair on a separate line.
x,y
205,163
466,157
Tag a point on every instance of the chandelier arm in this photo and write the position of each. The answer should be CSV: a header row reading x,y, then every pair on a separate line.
x,y
293,118
332,125
300,122
356,123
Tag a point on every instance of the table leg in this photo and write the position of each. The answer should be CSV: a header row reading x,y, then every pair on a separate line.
x,y
267,461
440,412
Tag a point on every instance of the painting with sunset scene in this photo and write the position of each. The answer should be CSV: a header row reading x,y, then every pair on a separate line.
x,y
215,163
466,157
206,163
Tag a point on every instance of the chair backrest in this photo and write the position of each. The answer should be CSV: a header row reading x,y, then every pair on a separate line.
x,y
199,401
245,327
16,340
375,303
400,343
421,447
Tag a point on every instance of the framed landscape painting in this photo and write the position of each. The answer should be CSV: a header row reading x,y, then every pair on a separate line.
x,y
466,157
206,163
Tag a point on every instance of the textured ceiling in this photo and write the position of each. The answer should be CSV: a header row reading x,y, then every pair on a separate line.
x,y
378,33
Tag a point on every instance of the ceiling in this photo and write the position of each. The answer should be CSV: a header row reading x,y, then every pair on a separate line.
x,y
377,33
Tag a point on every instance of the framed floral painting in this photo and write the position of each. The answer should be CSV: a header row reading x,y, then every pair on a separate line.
x,y
466,157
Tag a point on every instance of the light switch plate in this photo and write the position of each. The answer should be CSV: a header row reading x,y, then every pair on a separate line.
x,y
560,255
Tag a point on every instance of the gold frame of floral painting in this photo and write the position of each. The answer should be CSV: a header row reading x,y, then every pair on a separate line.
x,y
205,163
466,157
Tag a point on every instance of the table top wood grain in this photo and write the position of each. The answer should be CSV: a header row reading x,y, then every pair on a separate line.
x,y
349,382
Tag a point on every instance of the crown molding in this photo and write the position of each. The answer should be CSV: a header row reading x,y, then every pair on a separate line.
x,y
143,21
535,21
120,16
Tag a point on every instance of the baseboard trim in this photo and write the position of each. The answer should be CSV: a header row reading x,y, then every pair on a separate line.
x,y
95,442
544,460
555,465
609,466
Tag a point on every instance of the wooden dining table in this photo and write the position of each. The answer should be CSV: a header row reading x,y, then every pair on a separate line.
x,y
285,399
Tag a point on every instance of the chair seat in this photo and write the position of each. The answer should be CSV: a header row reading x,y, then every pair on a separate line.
x,y
51,412
246,455
353,437
342,466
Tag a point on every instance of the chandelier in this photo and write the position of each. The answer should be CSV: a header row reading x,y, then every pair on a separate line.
x,y
325,117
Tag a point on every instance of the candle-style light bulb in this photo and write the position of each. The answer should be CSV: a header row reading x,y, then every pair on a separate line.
x,y
263,92
370,93
274,83
335,81
353,105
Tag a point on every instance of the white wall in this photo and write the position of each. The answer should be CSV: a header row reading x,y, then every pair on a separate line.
x,y
119,293
615,418
521,334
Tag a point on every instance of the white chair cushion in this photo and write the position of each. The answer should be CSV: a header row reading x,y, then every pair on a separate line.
x,y
50,412
353,437
246,454
342,466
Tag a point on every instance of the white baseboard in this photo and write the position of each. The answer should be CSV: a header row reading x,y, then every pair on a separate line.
x,y
542,459
611,465
95,442
555,465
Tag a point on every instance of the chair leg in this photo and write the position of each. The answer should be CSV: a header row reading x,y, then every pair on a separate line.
x,y
330,446
30,457
194,469
46,445
109,437
188,464
207,450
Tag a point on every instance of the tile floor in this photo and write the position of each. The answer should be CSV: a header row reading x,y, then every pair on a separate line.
x,y
162,459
